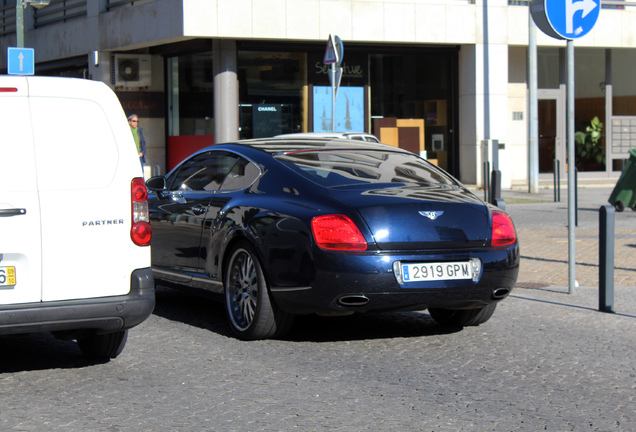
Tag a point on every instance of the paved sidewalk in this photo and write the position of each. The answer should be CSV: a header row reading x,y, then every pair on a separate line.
x,y
542,226
544,257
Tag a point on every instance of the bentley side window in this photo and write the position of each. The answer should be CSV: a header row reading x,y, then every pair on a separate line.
x,y
243,174
204,172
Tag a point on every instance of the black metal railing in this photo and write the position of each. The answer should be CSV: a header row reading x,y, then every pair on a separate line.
x,y
8,18
113,4
59,11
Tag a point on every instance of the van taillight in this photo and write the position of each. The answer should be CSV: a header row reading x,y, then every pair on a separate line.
x,y
8,89
140,232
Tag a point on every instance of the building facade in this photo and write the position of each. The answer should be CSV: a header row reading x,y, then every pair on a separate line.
x,y
445,78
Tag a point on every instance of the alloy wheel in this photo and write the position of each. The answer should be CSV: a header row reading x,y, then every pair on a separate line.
x,y
242,290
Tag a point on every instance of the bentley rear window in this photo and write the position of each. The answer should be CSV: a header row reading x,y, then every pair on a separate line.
x,y
342,167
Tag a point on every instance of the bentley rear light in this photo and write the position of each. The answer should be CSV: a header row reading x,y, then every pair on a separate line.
x,y
140,232
503,230
337,232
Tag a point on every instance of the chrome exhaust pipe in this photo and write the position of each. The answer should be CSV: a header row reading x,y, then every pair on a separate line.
x,y
500,293
353,300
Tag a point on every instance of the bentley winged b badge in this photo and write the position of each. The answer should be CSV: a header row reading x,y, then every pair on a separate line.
x,y
432,215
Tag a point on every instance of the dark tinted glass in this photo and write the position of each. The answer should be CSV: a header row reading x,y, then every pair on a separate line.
x,y
333,168
243,174
203,172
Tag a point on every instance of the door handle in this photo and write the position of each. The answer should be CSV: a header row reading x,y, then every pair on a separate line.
x,y
12,212
198,210
178,198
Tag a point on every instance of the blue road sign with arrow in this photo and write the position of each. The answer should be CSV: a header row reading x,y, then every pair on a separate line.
x,y
20,61
565,19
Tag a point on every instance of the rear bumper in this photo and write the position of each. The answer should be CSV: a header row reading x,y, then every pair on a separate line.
x,y
365,282
102,315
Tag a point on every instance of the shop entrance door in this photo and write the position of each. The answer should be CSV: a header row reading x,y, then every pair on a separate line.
x,y
551,131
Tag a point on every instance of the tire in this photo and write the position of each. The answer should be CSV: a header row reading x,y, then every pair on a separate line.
x,y
619,206
463,317
103,346
251,312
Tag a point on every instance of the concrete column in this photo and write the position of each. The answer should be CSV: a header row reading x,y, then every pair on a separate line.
x,y
483,93
470,171
226,101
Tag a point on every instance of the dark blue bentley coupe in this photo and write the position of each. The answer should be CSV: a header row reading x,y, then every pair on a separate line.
x,y
279,228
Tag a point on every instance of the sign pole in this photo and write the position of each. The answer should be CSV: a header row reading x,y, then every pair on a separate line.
x,y
19,23
333,97
571,169
333,56
533,109
568,19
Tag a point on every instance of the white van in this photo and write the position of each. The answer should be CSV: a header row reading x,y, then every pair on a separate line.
x,y
74,232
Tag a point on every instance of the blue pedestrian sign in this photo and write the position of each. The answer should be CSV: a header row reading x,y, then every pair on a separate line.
x,y
565,19
21,61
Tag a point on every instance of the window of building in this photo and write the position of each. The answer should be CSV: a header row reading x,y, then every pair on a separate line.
x,y
623,82
272,87
412,103
589,101
190,97
623,126
589,108
190,107
548,68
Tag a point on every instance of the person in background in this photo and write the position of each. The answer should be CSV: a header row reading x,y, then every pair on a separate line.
x,y
138,135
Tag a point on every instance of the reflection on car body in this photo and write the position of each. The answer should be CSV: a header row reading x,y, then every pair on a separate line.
x,y
281,227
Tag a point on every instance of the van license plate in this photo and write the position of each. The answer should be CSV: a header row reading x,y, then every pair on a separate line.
x,y
437,271
7,276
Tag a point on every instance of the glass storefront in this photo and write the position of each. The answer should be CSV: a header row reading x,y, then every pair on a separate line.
x,y
589,109
271,93
623,82
190,107
623,127
412,98
191,103
594,69
405,97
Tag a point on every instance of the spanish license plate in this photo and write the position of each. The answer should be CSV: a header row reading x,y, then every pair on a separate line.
x,y
437,271
7,276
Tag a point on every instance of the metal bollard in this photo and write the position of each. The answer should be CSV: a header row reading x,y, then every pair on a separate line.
x,y
557,180
495,186
606,259
576,197
486,179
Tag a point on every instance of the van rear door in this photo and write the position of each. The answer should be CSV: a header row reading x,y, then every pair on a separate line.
x,y
20,241
85,161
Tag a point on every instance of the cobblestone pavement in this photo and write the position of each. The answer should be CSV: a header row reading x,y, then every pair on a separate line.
x,y
544,253
547,360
